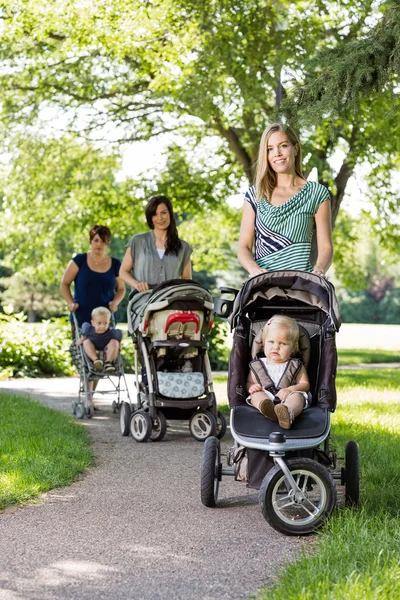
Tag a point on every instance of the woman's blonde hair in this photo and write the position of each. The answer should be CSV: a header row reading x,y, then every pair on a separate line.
x,y
289,324
101,311
265,176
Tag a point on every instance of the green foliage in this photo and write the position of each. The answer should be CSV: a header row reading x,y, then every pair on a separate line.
x,y
357,67
357,307
33,350
218,350
41,449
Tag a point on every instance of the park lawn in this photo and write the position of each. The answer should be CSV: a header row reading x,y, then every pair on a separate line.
x,y
40,449
368,356
357,553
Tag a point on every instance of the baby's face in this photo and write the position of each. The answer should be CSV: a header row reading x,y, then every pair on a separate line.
x,y
100,324
278,346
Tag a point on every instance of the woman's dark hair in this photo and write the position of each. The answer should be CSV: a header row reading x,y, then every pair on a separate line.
x,y
173,244
102,231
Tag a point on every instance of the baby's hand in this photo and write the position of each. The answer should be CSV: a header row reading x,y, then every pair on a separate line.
x,y
80,341
283,393
256,387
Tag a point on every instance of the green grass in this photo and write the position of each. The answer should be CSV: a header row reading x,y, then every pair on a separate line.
x,y
357,553
351,357
40,449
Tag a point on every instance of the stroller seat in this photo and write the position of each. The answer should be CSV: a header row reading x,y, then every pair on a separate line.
x,y
176,325
252,429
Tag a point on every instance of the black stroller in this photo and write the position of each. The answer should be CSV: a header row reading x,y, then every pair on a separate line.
x,y
169,326
294,469
82,407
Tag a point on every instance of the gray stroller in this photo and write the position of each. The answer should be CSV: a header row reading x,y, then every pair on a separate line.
x,y
82,407
295,469
169,326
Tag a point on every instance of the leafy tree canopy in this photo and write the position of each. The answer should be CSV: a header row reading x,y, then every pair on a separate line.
x,y
131,70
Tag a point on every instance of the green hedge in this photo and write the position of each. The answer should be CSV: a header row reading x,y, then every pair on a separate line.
x,y
34,350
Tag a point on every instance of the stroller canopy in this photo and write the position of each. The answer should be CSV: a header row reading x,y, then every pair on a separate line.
x,y
182,294
297,285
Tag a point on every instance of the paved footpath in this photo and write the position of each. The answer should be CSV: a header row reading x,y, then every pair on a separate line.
x,y
133,526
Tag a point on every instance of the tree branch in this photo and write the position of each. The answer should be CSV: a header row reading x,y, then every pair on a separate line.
x,y
236,146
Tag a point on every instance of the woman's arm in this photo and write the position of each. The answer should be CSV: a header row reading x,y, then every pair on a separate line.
x,y
187,271
69,276
125,275
119,294
246,241
324,238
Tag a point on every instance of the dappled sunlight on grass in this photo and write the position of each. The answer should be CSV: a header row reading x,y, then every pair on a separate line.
x,y
378,379
354,356
364,564
41,449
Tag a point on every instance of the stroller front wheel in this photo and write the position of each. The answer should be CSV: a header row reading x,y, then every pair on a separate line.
x,y
221,425
304,509
125,418
211,472
141,426
159,428
202,425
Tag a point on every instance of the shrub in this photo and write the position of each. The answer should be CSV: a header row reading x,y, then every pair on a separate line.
x,y
34,350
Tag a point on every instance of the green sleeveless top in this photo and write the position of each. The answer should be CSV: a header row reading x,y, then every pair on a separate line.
x,y
283,233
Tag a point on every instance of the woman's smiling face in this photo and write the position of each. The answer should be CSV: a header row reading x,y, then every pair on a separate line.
x,y
281,153
162,219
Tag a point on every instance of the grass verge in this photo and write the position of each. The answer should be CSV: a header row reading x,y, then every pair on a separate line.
x,y
357,553
40,449
368,356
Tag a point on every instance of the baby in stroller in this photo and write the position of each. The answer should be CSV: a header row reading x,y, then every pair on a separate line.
x,y
278,383
100,341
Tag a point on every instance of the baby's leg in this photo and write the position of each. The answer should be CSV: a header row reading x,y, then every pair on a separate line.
x,y
111,350
289,409
90,349
295,401
264,404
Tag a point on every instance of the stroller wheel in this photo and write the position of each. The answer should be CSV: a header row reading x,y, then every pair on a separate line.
x,y
202,425
90,411
298,512
211,472
141,426
221,425
352,474
159,428
114,408
73,406
125,418
80,411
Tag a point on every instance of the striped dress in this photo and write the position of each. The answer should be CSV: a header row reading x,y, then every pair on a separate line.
x,y
283,233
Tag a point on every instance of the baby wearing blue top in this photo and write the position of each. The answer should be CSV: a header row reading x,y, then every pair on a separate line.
x,y
97,336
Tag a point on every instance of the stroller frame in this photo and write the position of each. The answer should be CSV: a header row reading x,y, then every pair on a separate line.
x,y
146,419
82,407
297,467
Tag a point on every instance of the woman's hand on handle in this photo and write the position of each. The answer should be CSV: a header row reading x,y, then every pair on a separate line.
x,y
141,286
256,270
73,306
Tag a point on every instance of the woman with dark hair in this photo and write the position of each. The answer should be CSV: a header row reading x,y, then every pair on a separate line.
x,y
157,255
95,276
282,211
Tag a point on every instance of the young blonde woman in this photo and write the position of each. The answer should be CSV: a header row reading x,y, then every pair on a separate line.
x,y
282,210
